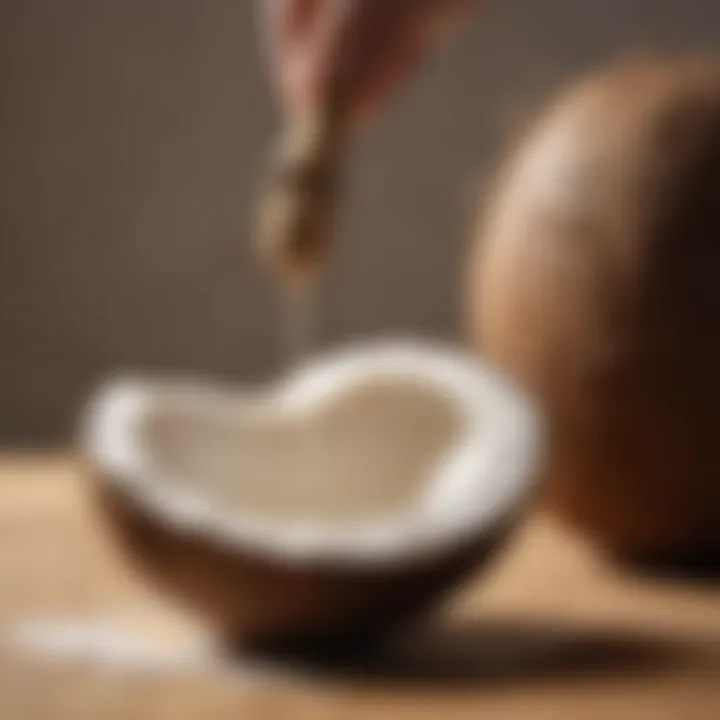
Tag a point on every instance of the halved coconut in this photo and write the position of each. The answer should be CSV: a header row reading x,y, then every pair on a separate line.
x,y
334,506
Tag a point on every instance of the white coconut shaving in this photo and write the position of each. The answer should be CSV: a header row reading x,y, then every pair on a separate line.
x,y
108,643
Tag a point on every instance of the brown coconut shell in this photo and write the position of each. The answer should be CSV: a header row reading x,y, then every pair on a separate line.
x,y
256,601
596,281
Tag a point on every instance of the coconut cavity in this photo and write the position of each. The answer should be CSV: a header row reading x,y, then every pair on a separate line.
x,y
370,451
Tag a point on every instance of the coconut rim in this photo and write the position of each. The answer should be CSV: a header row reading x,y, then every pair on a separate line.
x,y
478,480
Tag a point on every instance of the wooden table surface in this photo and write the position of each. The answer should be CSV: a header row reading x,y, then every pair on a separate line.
x,y
547,632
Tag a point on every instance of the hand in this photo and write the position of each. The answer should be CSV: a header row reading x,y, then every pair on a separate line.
x,y
352,52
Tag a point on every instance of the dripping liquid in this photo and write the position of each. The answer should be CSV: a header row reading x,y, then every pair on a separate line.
x,y
299,324
299,334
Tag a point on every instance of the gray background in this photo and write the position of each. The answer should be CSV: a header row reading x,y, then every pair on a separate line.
x,y
132,133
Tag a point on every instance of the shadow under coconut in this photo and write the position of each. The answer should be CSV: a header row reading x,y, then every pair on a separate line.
x,y
476,653
700,567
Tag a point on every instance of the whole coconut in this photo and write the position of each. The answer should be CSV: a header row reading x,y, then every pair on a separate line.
x,y
596,281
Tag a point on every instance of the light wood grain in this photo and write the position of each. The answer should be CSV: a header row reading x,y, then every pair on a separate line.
x,y
549,632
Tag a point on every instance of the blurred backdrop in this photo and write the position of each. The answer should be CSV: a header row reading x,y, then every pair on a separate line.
x,y
132,135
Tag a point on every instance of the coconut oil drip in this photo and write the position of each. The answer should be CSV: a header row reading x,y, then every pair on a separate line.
x,y
299,323
309,445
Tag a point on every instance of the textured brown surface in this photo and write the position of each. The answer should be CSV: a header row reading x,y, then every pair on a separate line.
x,y
550,634
597,285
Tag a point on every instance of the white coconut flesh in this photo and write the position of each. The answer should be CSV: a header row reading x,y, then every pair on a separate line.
x,y
375,453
